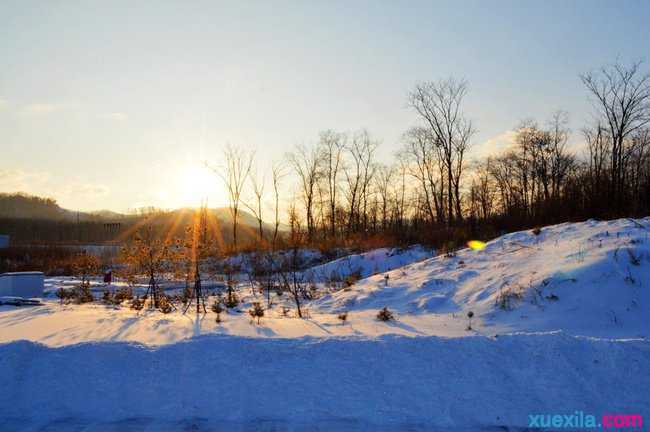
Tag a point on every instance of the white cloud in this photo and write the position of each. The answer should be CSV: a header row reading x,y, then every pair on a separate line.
x,y
40,108
88,191
495,145
17,180
116,116
71,195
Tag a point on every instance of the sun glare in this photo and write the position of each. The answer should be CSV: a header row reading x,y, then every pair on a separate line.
x,y
476,245
197,184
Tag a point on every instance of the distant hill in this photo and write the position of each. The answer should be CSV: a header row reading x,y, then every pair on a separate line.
x,y
20,205
24,206
29,219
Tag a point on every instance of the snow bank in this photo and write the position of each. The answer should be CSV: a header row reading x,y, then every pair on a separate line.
x,y
272,384
369,263
586,278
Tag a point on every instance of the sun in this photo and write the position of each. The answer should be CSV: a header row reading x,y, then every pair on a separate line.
x,y
197,185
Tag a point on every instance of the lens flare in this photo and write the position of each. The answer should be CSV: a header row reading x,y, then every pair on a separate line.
x,y
476,245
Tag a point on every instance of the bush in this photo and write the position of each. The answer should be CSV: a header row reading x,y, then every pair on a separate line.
x,y
507,297
82,294
231,300
352,278
107,297
64,295
217,308
165,305
257,311
343,316
122,294
385,315
137,304
186,296
117,297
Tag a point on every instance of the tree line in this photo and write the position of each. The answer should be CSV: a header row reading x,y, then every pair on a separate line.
x,y
433,193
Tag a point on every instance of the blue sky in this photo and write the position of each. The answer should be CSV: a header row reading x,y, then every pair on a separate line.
x,y
115,104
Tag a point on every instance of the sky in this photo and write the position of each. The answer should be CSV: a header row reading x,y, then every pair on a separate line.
x,y
118,105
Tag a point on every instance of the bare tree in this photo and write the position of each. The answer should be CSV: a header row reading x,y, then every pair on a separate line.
x,y
277,174
256,207
482,191
332,145
622,98
439,106
598,148
560,160
304,161
234,175
358,175
383,184
425,164
291,277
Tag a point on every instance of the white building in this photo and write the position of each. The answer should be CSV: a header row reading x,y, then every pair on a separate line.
x,y
4,241
22,284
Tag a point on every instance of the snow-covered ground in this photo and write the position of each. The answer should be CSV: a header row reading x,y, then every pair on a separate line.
x,y
368,263
390,383
590,278
561,321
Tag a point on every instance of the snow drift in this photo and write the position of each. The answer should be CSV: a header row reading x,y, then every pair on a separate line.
x,y
369,263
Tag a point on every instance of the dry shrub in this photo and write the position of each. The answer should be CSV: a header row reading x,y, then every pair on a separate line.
x,y
257,311
231,300
83,294
65,295
218,309
165,305
352,278
507,297
122,294
137,304
385,315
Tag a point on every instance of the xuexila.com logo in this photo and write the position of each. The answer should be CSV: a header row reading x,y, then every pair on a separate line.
x,y
579,419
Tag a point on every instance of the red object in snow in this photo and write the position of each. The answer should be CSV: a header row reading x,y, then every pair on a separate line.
x,y
108,277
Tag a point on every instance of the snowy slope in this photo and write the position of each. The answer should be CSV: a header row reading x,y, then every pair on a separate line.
x,y
587,278
369,263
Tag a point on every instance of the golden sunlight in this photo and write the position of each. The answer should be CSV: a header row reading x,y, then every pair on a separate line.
x,y
196,184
